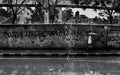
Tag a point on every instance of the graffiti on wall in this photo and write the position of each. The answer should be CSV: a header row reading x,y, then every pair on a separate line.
x,y
55,36
114,38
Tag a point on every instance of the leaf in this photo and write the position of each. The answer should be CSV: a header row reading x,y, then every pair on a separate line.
x,y
96,3
77,13
84,9
101,14
95,10
108,2
76,2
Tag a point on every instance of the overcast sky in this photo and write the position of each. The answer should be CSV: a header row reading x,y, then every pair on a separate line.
x,y
88,12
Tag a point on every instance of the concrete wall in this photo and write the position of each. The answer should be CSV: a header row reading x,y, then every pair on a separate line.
x,y
58,35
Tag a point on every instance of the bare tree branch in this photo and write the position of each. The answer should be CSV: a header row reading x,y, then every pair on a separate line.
x,y
16,4
20,11
113,6
109,12
102,1
12,8
20,5
17,10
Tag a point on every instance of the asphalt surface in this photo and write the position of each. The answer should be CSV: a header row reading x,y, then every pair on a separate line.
x,y
60,51
60,66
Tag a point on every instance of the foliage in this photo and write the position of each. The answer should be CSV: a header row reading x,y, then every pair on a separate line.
x,y
4,15
81,19
76,1
53,14
67,14
101,3
77,13
77,16
117,7
37,14
15,10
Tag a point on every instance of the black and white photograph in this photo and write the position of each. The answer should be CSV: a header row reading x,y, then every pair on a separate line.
x,y
59,37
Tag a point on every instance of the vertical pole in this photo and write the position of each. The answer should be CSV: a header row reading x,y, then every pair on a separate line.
x,y
46,17
46,12
106,35
60,15
60,12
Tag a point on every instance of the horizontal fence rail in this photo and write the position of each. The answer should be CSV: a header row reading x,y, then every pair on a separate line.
x,y
59,5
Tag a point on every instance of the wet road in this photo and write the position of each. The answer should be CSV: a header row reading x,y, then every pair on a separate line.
x,y
60,51
60,66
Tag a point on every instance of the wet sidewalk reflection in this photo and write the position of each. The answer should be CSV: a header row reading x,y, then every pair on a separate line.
x,y
60,66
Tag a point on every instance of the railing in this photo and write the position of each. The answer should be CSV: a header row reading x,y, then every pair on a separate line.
x,y
59,5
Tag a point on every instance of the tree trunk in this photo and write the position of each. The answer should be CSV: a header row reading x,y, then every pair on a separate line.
x,y
60,15
14,19
110,19
46,17
119,19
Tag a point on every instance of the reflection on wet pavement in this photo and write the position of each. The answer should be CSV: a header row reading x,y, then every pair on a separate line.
x,y
59,66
